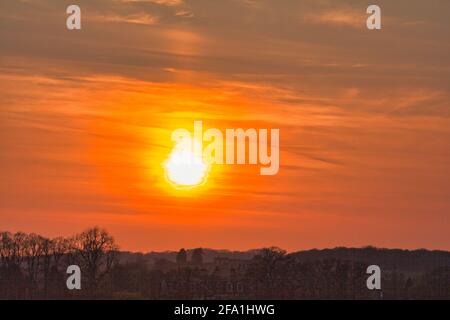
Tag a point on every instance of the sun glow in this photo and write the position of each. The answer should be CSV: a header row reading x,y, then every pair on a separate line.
x,y
185,168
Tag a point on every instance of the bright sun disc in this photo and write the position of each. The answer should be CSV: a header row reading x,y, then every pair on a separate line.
x,y
184,167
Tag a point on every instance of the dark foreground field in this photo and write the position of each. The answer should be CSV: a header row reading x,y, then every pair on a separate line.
x,y
33,267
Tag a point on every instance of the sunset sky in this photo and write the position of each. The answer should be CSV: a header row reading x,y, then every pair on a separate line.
x,y
86,118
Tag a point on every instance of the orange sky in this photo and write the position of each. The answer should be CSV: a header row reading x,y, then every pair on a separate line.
x,y
86,118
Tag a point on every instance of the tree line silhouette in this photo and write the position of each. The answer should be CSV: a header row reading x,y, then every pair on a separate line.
x,y
34,267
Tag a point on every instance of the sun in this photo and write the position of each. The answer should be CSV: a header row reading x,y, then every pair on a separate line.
x,y
184,168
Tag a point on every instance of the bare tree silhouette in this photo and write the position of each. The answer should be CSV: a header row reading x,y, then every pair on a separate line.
x,y
96,251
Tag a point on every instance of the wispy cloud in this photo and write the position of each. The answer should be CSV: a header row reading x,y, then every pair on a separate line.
x,y
161,2
340,17
144,19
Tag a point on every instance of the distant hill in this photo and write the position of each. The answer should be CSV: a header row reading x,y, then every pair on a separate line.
x,y
388,259
208,255
414,261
